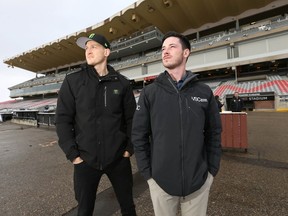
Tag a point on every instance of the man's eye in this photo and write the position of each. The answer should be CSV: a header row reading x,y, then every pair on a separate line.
x,y
92,47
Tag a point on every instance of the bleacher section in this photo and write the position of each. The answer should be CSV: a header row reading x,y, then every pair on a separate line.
x,y
50,83
213,85
235,35
138,42
39,104
274,83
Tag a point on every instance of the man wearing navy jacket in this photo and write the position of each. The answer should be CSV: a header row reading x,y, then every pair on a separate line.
x,y
176,135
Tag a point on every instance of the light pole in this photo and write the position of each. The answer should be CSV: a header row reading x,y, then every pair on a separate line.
x,y
235,71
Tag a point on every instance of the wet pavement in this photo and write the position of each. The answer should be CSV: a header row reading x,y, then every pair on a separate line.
x,y
36,178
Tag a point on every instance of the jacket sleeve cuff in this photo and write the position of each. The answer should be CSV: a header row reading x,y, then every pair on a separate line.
x,y
146,176
74,154
130,149
213,172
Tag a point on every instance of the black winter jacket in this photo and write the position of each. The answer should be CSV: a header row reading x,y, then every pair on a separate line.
x,y
177,134
236,104
94,116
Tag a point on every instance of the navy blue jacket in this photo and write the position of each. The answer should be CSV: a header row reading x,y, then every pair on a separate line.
x,y
176,134
94,116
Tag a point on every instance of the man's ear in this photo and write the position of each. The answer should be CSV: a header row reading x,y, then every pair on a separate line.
x,y
186,53
107,52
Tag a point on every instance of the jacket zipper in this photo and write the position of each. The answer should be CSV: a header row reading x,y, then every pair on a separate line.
x,y
103,146
182,137
182,143
105,96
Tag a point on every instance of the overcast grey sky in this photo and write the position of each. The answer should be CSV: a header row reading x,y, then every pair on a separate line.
x,y
27,24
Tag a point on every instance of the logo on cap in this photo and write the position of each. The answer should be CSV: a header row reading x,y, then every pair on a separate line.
x,y
91,35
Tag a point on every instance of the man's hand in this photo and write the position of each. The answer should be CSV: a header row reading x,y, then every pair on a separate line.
x,y
77,160
126,154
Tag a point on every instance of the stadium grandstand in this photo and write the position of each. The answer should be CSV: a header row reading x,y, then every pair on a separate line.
x,y
237,45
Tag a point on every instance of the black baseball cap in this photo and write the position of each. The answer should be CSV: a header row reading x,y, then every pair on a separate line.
x,y
81,42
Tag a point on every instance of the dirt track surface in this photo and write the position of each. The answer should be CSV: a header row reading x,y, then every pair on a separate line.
x,y
36,178
256,182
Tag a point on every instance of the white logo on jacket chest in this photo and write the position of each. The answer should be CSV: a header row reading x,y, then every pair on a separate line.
x,y
200,100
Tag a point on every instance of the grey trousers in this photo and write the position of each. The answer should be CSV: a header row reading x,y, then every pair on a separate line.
x,y
194,204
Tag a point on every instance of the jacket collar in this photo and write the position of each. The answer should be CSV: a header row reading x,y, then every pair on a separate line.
x,y
112,74
165,80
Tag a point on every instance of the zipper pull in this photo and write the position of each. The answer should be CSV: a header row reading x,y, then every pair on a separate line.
x,y
105,96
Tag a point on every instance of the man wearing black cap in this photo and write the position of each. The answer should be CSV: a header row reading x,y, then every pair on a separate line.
x,y
93,121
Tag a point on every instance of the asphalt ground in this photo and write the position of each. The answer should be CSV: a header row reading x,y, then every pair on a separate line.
x,y
36,178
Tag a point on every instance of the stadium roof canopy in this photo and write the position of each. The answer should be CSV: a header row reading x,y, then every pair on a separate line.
x,y
185,16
